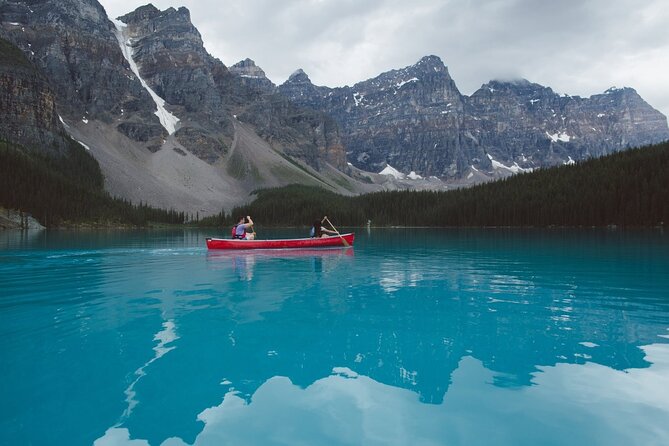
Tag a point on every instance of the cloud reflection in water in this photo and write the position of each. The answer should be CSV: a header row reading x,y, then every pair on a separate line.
x,y
347,408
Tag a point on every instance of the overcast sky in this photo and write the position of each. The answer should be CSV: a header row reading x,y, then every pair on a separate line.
x,y
577,47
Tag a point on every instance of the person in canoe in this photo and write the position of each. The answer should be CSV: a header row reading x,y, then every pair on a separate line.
x,y
318,231
239,231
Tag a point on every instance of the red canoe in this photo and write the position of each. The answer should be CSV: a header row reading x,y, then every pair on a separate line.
x,y
324,242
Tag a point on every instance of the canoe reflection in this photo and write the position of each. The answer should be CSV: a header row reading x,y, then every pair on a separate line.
x,y
244,262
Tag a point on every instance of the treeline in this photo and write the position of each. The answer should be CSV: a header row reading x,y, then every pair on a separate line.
x,y
629,188
68,189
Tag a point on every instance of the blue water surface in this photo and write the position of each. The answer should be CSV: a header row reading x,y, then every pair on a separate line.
x,y
412,337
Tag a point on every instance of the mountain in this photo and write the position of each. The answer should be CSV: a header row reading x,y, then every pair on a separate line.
x,y
172,126
169,124
416,120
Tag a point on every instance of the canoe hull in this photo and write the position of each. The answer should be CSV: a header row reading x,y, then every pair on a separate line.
x,y
300,243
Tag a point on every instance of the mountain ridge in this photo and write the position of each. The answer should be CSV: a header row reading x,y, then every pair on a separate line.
x,y
102,103
221,132
452,135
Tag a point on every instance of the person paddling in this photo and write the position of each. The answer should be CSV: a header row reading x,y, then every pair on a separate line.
x,y
240,229
318,231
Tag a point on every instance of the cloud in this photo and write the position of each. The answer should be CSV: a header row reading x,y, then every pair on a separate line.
x,y
574,46
607,406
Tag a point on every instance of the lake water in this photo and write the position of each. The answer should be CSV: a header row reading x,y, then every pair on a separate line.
x,y
423,337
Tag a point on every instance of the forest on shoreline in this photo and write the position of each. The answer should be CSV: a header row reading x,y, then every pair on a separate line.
x,y
626,189
67,190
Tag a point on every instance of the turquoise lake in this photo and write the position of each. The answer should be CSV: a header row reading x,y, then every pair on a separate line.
x,y
412,337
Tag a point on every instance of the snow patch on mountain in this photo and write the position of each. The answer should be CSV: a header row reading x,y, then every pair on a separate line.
x,y
403,83
560,136
390,170
167,119
514,169
83,145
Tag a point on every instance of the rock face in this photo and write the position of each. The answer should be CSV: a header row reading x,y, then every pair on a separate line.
x,y
27,104
407,118
169,124
166,83
207,96
199,89
415,119
10,219
74,45
525,123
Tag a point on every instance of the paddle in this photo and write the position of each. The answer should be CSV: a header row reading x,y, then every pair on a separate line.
x,y
335,230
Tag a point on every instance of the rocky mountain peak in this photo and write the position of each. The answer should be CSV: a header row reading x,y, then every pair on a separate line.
x,y
150,12
625,95
515,87
253,76
510,84
171,21
247,67
299,76
428,75
246,63
182,13
433,63
616,90
146,12
301,91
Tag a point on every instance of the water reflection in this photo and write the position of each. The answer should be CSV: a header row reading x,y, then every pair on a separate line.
x,y
164,337
361,410
243,266
429,336
243,262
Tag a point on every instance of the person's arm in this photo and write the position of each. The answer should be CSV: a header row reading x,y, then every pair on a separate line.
x,y
250,223
327,231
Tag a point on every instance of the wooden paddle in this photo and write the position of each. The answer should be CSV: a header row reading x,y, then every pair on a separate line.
x,y
335,230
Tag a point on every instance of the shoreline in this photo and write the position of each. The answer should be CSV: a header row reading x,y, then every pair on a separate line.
x,y
11,219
